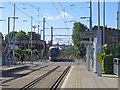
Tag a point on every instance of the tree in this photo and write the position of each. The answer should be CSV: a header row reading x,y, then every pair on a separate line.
x,y
10,36
2,39
21,35
77,29
34,35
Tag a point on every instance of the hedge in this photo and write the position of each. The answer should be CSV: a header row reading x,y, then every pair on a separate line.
x,y
108,64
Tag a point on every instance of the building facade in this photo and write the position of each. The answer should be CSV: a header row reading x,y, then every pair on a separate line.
x,y
112,35
119,15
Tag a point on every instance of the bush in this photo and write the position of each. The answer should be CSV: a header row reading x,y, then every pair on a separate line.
x,y
28,51
108,64
36,52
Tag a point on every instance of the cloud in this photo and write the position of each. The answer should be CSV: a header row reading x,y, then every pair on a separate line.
x,y
62,15
50,18
47,14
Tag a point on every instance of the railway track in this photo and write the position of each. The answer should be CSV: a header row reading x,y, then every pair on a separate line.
x,y
50,80
15,74
60,78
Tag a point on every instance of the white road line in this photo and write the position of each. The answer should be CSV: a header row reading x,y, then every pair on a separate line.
x,y
64,83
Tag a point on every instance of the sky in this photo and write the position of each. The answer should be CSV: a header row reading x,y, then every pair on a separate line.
x,y
56,13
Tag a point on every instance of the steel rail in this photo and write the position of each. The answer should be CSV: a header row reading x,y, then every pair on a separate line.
x,y
60,78
38,79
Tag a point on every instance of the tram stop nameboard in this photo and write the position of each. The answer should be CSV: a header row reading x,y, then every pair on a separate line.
x,y
88,34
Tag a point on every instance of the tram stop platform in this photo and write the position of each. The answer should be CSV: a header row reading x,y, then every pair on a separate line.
x,y
80,77
5,69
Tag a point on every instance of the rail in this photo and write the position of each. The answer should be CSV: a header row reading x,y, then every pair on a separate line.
x,y
60,78
38,79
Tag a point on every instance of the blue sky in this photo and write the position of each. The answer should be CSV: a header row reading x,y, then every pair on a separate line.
x,y
53,17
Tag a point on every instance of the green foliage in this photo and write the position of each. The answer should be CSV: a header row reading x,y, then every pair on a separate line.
x,y
108,64
28,51
119,44
105,49
103,66
21,35
2,39
36,52
34,35
77,29
111,49
10,35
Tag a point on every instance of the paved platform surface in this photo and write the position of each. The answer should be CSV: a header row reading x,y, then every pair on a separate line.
x,y
80,77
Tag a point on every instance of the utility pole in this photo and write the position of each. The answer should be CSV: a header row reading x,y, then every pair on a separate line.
x,y
34,26
91,17
38,29
89,59
51,36
38,21
99,44
118,20
68,50
98,15
104,22
14,37
8,59
31,42
43,36
8,32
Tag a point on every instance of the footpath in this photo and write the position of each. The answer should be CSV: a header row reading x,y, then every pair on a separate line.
x,y
80,77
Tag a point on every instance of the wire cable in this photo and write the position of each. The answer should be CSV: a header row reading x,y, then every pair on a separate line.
x,y
36,10
22,11
57,10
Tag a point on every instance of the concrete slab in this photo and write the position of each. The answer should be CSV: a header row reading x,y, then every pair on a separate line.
x,y
80,77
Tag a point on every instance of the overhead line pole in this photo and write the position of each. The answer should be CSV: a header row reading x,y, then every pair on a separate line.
x,y
51,35
43,36
118,20
99,43
104,22
14,37
31,42
90,16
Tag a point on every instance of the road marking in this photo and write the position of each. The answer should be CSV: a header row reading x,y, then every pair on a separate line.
x,y
64,83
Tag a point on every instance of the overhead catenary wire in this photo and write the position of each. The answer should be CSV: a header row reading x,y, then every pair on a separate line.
x,y
64,14
36,10
22,11
61,5
63,9
63,19
57,10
